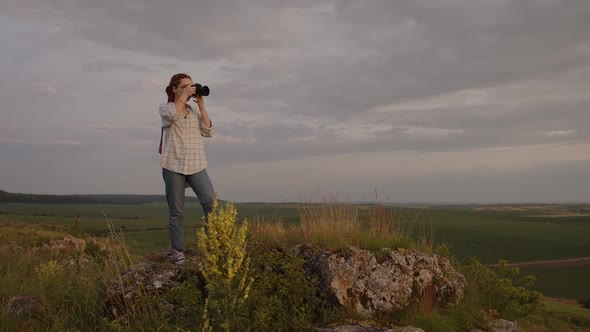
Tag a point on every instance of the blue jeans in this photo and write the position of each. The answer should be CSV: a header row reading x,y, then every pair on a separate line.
x,y
201,185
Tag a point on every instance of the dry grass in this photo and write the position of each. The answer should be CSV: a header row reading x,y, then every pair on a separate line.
x,y
66,283
427,300
337,224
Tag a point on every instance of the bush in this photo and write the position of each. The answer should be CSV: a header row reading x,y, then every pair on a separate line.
x,y
498,293
282,298
585,302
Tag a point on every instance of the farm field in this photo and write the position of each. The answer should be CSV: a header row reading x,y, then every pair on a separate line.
x,y
491,233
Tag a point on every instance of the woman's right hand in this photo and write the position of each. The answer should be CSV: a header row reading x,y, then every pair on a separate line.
x,y
187,92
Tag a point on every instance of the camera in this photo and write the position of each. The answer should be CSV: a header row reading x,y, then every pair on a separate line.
x,y
202,90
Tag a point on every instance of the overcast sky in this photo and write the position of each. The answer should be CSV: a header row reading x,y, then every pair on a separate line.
x,y
448,101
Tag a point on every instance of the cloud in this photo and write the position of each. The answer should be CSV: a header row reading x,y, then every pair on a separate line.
x,y
430,131
102,65
559,132
39,142
332,81
46,87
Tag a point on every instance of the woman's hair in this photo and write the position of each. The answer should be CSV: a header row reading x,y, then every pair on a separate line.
x,y
174,81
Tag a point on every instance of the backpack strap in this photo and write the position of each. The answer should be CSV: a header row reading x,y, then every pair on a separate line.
x,y
161,137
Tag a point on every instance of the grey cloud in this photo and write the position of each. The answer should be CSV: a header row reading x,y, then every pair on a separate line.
x,y
129,133
564,182
106,65
355,55
300,80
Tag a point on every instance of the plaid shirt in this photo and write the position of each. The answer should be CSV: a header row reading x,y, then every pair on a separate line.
x,y
183,150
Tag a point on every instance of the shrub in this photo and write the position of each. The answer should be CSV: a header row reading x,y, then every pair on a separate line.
x,y
585,302
282,298
496,292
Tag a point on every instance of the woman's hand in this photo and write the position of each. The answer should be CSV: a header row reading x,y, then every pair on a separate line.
x,y
200,102
187,92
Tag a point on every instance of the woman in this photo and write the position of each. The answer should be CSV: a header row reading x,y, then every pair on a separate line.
x,y
183,159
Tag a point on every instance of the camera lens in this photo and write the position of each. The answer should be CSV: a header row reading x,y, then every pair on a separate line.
x,y
201,90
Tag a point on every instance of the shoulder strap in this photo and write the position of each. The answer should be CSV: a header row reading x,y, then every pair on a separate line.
x,y
161,136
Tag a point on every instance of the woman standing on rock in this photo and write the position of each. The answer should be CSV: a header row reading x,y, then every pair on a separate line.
x,y
183,159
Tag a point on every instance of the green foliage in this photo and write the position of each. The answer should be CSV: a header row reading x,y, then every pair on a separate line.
x,y
496,292
189,297
585,302
436,322
282,298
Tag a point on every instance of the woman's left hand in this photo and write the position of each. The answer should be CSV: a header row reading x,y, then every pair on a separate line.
x,y
200,102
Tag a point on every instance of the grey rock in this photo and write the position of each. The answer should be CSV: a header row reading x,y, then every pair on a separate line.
x,y
367,328
152,276
503,325
23,305
409,329
355,279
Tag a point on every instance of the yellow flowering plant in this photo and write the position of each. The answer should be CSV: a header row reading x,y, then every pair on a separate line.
x,y
224,265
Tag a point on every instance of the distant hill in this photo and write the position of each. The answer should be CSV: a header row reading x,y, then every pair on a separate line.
x,y
7,197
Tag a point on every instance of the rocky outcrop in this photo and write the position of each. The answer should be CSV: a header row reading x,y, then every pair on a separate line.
x,y
353,278
152,276
357,280
367,328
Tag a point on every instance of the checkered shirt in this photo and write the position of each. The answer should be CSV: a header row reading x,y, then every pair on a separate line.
x,y
183,149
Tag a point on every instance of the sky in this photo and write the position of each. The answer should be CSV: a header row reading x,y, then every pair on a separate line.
x,y
447,101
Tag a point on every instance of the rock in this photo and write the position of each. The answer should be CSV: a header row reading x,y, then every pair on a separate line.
x,y
409,329
356,279
152,276
503,325
68,243
23,305
367,328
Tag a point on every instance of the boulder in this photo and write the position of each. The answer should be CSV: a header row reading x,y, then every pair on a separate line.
x,y
503,325
354,278
23,305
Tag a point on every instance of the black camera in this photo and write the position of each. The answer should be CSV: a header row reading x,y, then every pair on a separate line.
x,y
202,90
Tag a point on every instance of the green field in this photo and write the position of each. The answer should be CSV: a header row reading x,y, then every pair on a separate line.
x,y
515,235
566,282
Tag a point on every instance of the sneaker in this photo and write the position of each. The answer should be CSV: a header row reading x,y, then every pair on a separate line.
x,y
167,254
177,257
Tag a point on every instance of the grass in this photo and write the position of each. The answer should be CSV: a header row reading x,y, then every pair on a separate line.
x,y
568,308
337,225
69,295
567,282
490,235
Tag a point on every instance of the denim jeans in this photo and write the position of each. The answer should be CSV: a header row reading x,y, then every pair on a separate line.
x,y
175,187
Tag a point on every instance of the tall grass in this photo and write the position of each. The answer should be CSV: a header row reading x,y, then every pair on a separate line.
x,y
338,224
63,288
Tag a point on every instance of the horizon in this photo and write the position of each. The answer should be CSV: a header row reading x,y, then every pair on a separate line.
x,y
426,203
455,102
